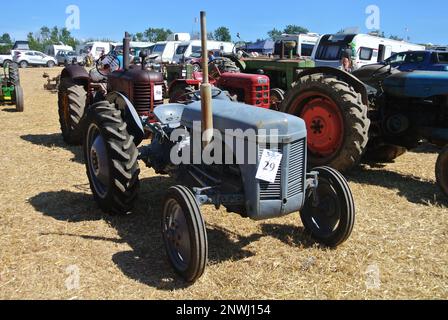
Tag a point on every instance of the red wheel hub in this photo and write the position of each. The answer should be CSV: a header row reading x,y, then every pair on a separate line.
x,y
324,123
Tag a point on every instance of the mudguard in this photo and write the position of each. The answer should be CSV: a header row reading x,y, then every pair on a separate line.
x,y
131,117
342,75
77,73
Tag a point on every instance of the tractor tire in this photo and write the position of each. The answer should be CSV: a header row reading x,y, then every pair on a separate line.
x,y
184,234
13,70
277,97
18,97
385,153
111,159
442,171
72,106
336,120
181,93
6,63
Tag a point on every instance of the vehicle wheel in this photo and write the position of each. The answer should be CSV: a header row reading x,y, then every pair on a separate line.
x,y
50,64
72,105
277,97
23,64
19,101
6,63
180,93
331,220
184,233
111,159
196,67
385,153
13,70
336,120
442,170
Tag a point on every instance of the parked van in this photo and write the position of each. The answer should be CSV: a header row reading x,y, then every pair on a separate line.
x,y
164,50
94,48
305,43
53,50
364,49
186,49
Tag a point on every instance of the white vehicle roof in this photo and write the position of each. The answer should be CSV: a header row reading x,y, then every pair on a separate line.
x,y
179,37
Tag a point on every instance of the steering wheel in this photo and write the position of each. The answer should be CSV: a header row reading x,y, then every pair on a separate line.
x,y
107,64
215,92
378,71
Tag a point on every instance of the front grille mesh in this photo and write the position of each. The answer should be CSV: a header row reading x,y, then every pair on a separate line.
x,y
296,168
296,173
142,97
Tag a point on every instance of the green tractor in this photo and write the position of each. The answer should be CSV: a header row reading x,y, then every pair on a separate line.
x,y
333,103
11,92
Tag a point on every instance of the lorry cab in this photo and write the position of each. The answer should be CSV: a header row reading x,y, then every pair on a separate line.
x,y
364,49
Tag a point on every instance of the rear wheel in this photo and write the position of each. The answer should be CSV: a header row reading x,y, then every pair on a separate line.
x,y
331,218
336,120
72,105
277,97
13,70
50,64
23,64
184,233
111,159
197,67
442,170
180,93
19,101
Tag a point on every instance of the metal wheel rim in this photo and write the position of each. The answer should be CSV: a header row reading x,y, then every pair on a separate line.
x,y
177,235
326,216
98,161
324,122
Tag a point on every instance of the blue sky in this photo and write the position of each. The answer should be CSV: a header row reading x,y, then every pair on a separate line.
x,y
252,19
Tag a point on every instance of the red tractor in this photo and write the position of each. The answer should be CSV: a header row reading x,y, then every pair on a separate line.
x,y
132,84
251,89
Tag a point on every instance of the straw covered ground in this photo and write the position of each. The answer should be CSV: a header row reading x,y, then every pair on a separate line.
x,y
52,234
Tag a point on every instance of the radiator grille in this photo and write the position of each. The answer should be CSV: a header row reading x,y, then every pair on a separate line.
x,y
296,168
296,173
271,191
142,97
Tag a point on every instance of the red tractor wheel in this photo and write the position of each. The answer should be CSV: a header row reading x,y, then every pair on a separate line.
x,y
336,120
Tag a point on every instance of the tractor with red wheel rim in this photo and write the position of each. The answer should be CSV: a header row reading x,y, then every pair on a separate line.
x,y
252,89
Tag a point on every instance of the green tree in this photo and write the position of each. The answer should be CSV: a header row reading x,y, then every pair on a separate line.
x,y
45,33
139,36
223,34
6,38
54,35
34,42
274,33
294,29
157,34
210,36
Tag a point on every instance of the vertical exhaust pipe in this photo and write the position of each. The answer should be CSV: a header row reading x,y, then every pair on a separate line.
x,y
126,51
206,89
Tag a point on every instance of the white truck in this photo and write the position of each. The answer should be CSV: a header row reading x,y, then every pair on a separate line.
x,y
305,43
53,50
364,49
187,48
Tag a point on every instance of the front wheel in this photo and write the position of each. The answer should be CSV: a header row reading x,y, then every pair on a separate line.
x,y
184,234
111,159
442,171
329,215
18,93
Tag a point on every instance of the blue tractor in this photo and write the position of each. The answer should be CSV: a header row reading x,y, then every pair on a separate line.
x,y
406,108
